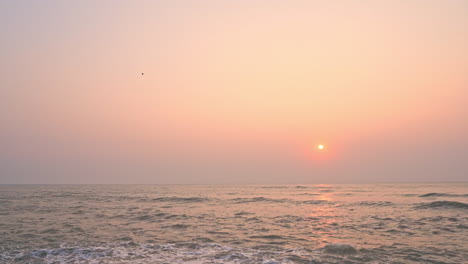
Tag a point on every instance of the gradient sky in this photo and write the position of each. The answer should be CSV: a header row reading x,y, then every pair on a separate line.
x,y
233,91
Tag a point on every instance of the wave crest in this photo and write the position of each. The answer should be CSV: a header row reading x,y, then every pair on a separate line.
x,y
443,195
443,204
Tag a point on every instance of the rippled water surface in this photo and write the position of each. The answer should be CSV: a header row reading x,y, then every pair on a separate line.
x,y
382,223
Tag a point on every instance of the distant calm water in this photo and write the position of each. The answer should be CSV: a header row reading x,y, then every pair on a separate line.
x,y
382,223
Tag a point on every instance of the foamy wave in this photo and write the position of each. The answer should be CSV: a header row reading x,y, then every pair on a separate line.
x,y
193,252
201,252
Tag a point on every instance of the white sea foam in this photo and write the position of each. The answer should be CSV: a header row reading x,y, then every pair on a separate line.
x,y
178,253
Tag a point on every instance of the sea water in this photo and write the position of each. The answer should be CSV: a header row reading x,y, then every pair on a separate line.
x,y
375,223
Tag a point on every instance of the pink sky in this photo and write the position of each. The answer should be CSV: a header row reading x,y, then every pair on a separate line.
x,y
233,91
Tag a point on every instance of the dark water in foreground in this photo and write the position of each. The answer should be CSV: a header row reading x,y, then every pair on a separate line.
x,y
383,223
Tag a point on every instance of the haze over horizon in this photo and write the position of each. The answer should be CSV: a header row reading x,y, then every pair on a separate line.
x,y
233,91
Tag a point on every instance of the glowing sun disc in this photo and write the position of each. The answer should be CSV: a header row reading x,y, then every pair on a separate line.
x,y
320,147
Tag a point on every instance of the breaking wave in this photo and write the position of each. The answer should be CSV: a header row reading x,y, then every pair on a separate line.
x,y
206,252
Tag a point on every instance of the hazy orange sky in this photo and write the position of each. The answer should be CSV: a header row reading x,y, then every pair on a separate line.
x,y
233,91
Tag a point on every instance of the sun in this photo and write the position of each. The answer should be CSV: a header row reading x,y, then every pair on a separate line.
x,y
320,147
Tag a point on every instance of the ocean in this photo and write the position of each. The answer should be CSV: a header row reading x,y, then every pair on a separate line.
x,y
348,223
